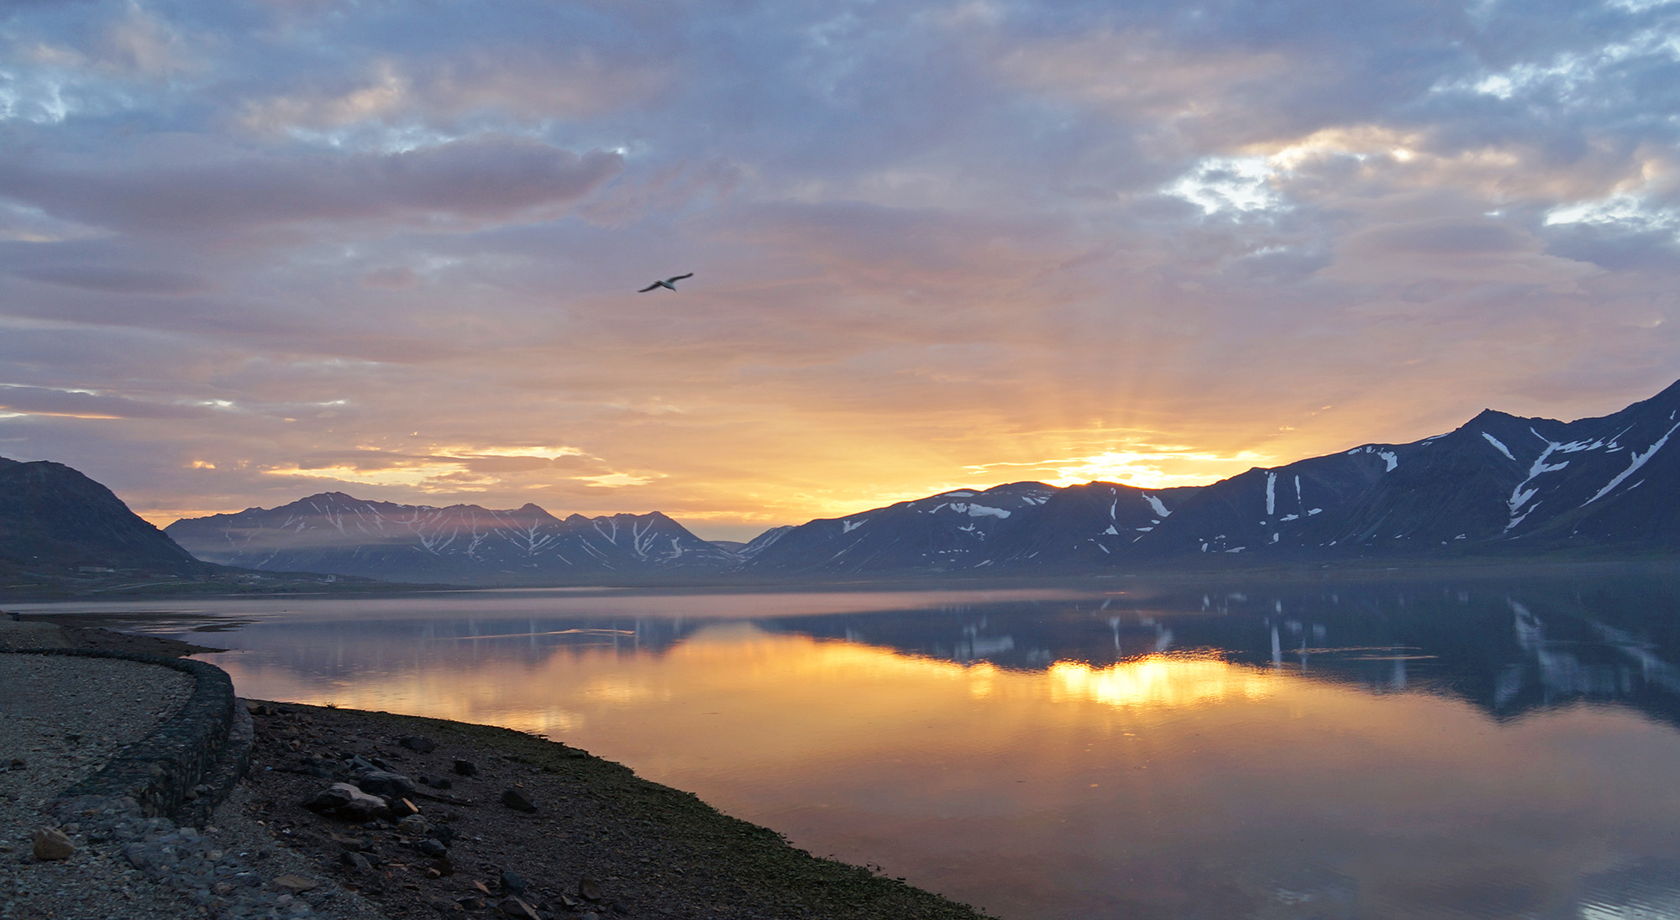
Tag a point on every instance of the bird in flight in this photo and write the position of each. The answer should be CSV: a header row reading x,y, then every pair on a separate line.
x,y
669,284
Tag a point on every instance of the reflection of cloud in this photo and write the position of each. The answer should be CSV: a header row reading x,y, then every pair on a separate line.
x,y
1184,766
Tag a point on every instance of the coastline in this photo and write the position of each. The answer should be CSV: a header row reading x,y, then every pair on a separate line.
x,y
597,838
488,821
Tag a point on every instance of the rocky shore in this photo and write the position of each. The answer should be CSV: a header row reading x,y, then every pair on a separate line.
x,y
369,815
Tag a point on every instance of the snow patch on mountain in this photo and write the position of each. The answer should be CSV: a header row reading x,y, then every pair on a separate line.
x,y
1638,461
1499,446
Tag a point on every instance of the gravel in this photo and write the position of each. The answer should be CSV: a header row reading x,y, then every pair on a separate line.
x,y
61,719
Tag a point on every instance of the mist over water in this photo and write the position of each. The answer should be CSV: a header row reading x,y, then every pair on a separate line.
x,y
1427,748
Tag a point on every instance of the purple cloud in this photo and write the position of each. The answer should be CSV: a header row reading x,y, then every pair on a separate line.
x,y
479,178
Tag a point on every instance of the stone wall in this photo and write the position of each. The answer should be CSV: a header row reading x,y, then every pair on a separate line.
x,y
167,772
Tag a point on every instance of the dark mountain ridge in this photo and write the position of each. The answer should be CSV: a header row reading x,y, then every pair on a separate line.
x,y
55,520
1499,485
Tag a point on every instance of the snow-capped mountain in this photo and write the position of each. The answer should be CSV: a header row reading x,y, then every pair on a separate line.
x,y
1497,484
336,533
1021,523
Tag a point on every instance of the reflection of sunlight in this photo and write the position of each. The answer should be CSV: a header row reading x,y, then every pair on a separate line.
x,y
621,691
1158,681
571,688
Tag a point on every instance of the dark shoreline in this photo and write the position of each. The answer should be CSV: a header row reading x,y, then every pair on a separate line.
x,y
600,841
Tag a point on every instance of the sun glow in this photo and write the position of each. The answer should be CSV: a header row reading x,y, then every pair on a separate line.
x,y
1144,470
1146,467
539,453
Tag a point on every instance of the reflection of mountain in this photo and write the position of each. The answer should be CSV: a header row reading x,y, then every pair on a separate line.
x,y
1507,648
350,649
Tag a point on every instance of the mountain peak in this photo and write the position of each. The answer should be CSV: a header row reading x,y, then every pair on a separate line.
x,y
54,516
334,497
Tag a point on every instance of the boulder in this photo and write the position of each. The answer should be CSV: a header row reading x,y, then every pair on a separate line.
x,y
517,801
432,847
52,843
344,801
514,907
384,782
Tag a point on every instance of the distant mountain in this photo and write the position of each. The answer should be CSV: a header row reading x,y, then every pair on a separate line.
x,y
1498,484
55,520
464,544
1013,525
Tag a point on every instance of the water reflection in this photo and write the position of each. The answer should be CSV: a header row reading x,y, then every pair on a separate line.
x,y
1428,750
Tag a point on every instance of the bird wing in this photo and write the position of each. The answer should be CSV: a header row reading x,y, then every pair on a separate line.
x,y
648,288
680,277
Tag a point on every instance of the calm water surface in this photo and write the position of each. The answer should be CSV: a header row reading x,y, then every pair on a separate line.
x,y
1475,749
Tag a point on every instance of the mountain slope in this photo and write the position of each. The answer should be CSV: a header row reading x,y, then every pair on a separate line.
x,y
1499,483
1017,524
54,519
336,533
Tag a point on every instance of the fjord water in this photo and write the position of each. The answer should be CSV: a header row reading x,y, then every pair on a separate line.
x,y
1480,747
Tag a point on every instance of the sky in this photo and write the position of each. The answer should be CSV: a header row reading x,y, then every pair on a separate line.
x,y
252,250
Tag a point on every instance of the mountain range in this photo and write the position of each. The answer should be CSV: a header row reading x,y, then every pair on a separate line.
x,y
1499,485
460,544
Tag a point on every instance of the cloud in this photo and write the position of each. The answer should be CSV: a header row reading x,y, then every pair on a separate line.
x,y
478,178
113,279
397,249
86,404
1460,250
527,83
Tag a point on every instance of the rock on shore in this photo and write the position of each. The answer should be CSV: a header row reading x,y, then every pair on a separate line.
x,y
493,822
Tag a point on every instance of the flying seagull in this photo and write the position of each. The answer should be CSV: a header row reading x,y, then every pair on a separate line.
x,y
669,284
